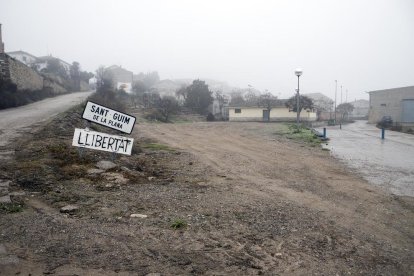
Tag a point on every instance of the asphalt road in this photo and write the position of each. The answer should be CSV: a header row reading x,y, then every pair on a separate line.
x,y
16,121
387,163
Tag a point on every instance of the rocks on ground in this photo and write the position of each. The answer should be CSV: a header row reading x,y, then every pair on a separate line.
x,y
105,165
138,216
69,209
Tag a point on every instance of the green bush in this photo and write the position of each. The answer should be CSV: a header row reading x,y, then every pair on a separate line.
x,y
178,224
11,207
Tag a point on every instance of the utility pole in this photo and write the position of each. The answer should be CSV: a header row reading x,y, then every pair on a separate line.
x,y
341,94
298,73
346,96
336,88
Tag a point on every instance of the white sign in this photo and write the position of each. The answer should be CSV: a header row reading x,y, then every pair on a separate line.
x,y
108,117
101,141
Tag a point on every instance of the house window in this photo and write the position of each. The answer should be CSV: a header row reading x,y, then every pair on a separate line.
x,y
24,59
383,104
237,110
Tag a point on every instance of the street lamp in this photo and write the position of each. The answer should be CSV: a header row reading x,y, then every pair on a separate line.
x,y
336,88
298,72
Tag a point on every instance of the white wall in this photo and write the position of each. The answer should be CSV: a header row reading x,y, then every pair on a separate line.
x,y
276,114
24,58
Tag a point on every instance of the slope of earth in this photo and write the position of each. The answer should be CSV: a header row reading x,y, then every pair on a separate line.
x,y
198,198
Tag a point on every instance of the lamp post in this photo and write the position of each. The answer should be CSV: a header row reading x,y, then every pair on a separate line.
x,y
336,88
298,72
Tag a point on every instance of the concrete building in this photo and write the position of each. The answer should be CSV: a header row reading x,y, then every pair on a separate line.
x,y
279,113
396,102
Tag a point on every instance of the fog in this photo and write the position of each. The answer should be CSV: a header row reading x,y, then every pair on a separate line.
x,y
365,45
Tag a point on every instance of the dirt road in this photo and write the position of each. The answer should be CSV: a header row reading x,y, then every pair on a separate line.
x,y
266,169
14,121
245,199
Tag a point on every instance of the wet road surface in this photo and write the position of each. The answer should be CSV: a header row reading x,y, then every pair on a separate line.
x,y
387,163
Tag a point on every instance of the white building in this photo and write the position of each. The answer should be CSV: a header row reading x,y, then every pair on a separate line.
x,y
39,63
42,62
23,57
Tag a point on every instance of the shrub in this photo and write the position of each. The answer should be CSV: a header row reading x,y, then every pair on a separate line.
x,y
210,117
178,224
109,97
11,207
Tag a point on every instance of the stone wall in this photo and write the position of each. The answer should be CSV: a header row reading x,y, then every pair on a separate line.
x,y
4,67
84,86
23,76
53,86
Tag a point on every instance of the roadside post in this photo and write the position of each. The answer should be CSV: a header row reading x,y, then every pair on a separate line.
x,y
382,133
82,149
86,138
324,132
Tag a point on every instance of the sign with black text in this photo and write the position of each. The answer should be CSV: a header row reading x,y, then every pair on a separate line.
x,y
102,141
108,117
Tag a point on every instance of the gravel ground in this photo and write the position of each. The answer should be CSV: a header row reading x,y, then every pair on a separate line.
x,y
220,199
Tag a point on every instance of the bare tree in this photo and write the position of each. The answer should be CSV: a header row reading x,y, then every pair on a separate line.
x,y
267,101
167,106
221,99
181,93
304,103
344,109
104,79
237,98
251,97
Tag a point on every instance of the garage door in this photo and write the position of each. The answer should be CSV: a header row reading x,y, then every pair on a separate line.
x,y
407,111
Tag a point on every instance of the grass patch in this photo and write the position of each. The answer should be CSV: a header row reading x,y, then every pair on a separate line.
x,y
179,224
10,208
300,134
156,146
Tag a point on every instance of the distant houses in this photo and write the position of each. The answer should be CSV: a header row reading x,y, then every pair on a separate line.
x,y
23,57
48,74
38,63
122,78
361,108
42,63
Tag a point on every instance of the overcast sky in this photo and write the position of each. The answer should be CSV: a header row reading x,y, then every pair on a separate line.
x,y
364,44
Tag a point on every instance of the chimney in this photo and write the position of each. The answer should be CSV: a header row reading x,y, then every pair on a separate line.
x,y
1,42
